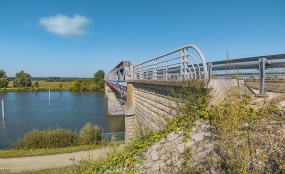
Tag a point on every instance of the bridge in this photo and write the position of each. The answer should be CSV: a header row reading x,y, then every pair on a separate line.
x,y
141,92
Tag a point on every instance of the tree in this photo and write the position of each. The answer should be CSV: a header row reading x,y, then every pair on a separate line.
x,y
4,81
76,85
37,84
99,78
60,86
22,79
99,75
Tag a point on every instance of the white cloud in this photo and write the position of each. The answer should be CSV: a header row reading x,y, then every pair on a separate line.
x,y
66,26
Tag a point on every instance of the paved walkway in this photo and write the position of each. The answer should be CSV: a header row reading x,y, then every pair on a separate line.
x,y
49,161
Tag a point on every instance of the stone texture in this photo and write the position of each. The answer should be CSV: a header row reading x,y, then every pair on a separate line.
x,y
198,136
166,155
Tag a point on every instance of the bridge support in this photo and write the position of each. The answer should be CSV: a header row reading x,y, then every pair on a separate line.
x,y
114,103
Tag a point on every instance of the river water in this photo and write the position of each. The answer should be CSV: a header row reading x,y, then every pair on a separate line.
x,y
25,111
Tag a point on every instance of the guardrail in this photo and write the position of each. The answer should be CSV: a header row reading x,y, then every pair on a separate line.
x,y
179,67
271,66
113,137
168,67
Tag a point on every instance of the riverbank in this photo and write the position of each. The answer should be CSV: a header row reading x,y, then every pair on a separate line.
x,y
32,164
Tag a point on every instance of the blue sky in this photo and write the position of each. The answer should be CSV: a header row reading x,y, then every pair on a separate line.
x,y
72,38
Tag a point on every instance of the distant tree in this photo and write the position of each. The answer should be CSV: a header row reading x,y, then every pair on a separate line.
x,y
37,84
99,75
60,86
4,81
101,83
76,85
22,79
99,78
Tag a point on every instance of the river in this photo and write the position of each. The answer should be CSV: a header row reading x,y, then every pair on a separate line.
x,y
25,111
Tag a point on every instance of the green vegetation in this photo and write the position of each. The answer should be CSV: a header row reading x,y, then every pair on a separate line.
x,y
43,86
37,85
59,138
12,153
249,139
96,84
91,134
60,86
23,82
4,81
99,78
22,79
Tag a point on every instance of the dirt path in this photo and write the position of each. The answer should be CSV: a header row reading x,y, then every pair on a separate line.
x,y
49,161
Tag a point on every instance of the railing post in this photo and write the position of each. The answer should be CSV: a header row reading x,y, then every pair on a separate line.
x,y
166,71
141,72
261,62
154,71
186,76
210,69
181,64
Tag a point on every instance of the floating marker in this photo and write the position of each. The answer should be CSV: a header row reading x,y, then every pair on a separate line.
x,y
3,109
49,95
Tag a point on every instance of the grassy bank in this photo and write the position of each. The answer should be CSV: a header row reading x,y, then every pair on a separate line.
x,y
43,86
55,141
45,151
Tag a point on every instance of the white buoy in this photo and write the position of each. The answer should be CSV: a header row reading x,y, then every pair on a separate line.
x,y
49,95
3,109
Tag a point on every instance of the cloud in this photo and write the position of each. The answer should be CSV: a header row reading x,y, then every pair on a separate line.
x,y
66,26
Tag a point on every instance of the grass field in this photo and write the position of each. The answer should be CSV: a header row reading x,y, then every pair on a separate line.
x,y
48,85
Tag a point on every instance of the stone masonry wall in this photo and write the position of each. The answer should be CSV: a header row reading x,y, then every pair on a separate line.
x,y
152,104
151,99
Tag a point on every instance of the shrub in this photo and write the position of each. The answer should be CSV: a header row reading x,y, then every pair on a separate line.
x,y
95,88
90,134
47,139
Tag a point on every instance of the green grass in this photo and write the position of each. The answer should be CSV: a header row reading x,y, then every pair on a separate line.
x,y
40,152
49,171
65,85
43,86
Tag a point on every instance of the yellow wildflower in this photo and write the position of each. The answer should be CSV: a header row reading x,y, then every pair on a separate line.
x,y
263,155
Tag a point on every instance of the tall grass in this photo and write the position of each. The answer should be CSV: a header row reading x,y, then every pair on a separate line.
x,y
58,138
91,134
250,140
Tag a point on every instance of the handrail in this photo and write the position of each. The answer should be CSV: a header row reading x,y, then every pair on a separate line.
x,y
141,71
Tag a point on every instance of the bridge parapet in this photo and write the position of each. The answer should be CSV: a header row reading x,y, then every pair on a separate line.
x,y
173,65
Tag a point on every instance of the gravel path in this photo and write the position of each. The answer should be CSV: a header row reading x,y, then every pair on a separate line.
x,y
49,161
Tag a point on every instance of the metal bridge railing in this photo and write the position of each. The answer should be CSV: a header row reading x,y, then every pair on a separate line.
x,y
113,137
178,67
272,66
120,87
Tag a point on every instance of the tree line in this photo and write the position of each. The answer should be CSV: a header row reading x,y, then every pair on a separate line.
x,y
95,84
23,79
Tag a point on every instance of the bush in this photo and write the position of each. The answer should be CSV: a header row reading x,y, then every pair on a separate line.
x,y
95,88
90,134
47,139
